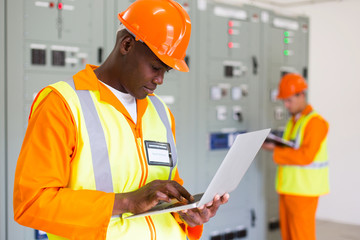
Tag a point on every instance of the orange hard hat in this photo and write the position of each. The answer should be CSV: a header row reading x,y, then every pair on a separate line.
x,y
291,84
164,26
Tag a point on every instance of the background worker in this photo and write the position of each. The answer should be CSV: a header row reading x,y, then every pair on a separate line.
x,y
302,172
86,160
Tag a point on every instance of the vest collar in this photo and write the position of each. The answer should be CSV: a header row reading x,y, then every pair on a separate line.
x,y
87,80
308,109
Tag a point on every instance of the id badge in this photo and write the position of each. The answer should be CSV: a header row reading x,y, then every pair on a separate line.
x,y
158,153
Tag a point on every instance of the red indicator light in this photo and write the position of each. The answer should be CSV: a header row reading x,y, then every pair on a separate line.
x,y
60,6
231,31
51,4
230,44
231,23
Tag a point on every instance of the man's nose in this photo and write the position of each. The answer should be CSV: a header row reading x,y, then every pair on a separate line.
x,y
159,79
287,105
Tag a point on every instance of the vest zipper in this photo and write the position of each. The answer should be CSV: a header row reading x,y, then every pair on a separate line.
x,y
144,168
144,174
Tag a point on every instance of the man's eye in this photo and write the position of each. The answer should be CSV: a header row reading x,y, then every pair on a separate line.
x,y
155,68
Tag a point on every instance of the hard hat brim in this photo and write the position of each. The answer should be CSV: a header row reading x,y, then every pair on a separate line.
x,y
178,64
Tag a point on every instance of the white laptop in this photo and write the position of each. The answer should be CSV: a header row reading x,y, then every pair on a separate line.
x,y
226,179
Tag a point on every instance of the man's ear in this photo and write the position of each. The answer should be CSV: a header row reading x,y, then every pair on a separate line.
x,y
126,44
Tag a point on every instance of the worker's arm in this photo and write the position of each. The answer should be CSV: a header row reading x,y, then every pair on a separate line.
x,y
315,132
41,197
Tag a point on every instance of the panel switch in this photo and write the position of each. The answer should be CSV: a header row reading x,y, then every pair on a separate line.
x,y
237,114
279,113
221,113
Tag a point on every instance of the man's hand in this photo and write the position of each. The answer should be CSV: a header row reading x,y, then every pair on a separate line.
x,y
268,146
149,196
201,215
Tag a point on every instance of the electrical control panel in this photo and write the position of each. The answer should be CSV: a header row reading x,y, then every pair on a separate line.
x,y
46,41
228,85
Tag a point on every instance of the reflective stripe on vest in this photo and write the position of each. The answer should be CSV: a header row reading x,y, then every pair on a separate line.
x,y
297,138
312,165
170,138
100,159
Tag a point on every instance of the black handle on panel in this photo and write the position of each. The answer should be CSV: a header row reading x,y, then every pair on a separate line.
x,y
240,116
305,72
255,65
253,217
100,54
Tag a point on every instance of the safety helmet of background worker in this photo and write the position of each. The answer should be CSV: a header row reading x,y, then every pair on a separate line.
x,y
291,84
164,26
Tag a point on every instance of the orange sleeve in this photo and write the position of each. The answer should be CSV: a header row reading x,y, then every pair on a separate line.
x,y
193,233
315,132
41,197
173,125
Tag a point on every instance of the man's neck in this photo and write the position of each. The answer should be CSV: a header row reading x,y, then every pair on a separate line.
x,y
298,114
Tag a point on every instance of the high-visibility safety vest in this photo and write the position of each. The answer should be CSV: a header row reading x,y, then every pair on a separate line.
x,y
303,180
110,158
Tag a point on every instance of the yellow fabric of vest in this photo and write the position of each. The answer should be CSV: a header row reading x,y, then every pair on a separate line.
x,y
125,161
308,180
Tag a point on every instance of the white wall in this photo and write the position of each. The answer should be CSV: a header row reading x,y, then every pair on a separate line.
x,y
334,91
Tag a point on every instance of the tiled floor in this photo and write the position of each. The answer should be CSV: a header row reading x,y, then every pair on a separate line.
x,y
335,231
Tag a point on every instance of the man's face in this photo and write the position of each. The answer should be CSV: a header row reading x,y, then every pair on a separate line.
x,y
144,71
295,103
